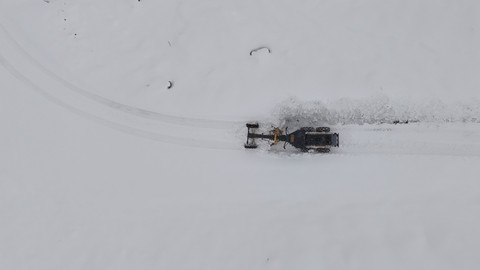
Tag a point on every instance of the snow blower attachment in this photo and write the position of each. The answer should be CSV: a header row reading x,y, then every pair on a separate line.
x,y
306,138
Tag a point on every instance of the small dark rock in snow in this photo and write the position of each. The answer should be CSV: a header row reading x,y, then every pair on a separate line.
x,y
170,85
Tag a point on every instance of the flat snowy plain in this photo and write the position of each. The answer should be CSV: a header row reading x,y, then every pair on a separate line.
x,y
103,167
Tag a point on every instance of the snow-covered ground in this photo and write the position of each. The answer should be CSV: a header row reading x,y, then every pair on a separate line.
x,y
103,167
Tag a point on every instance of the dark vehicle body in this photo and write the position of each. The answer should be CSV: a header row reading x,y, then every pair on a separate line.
x,y
306,139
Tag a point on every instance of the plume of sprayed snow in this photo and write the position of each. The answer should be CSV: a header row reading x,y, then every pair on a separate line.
x,y
373,110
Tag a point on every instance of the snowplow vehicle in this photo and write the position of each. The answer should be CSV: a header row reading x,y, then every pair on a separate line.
x,y
307,139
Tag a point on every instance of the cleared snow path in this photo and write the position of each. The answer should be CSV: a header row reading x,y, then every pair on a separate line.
x,y
417,138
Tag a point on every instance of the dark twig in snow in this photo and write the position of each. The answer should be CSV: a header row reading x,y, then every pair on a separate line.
x,y
260,49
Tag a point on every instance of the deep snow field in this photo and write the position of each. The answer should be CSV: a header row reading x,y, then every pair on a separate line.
x,y
122,134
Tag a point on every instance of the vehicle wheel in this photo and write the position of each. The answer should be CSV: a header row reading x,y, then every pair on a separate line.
x,y
307,129
322,150
250,146
322,129
252,125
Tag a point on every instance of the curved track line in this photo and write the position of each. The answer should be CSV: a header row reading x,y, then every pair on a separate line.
x,y
123,128
177,120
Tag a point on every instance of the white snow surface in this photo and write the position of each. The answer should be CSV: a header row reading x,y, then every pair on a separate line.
x,y
122,134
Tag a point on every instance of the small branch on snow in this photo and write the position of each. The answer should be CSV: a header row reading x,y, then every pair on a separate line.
x,y
260,49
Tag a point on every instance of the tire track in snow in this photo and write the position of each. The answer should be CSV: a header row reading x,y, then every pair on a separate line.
x,y
171,119
114,125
